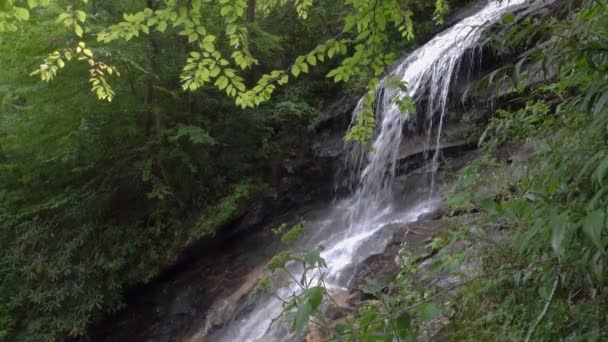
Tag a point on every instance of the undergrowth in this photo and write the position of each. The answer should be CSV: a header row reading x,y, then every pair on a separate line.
x,y
535,207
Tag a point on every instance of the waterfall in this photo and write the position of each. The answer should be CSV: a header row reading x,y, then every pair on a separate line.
x,y
345,229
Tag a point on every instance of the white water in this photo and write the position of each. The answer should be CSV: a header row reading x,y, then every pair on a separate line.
x,y
345,229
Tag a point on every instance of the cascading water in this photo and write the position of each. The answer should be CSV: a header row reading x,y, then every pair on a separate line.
x,y
345,228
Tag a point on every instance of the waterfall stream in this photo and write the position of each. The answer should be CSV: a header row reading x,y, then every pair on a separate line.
x,y
344,230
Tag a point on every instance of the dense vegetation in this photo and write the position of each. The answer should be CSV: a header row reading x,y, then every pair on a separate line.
x,y
102,191
531,209
553,282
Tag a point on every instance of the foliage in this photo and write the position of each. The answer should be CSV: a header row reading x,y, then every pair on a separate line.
x,y
97,196
220,213
197,95
541,217
555,210
218,34
291,235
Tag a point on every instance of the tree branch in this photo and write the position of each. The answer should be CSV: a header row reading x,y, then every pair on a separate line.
x,y
545,309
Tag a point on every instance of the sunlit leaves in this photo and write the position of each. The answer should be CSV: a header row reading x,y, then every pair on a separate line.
x,y
302,8
366,24
73,20
441,9
22,13
98,71
132,26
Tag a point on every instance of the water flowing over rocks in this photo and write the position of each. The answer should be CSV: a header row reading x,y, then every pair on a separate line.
x,y
392,197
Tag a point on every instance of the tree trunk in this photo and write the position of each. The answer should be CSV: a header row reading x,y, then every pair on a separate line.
x,y
251,10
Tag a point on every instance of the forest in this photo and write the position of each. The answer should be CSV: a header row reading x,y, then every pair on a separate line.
x,y
138,138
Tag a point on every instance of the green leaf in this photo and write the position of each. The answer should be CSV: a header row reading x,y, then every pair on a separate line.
x,y
593,226
301,319
314,259
283,80
312,60
80,15
295,70
225,10
22,13
78,30
403,324
312,299
314,296
6,5
162,26
208,47
221,82
62,17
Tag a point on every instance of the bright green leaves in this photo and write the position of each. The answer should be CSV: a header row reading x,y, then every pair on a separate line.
x,y
300,66
593,226
194,33
12,16
278,262
209,66
97,73
97,70
207,43
295,70
233,12
406,27
365,124
366,25
302,8
80,16
221,82
32,3
73,20
132,26
22,13
363,129
290,236
53,62
441,9
283,80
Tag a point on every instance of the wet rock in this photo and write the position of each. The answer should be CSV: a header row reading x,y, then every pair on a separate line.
x,y
415,236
